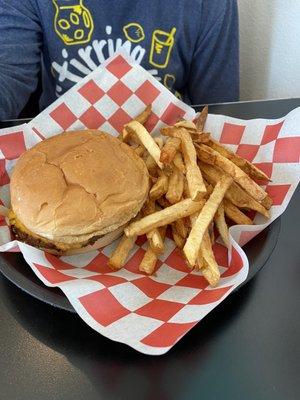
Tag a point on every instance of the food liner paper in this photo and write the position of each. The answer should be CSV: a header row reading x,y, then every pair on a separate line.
x,y
148,313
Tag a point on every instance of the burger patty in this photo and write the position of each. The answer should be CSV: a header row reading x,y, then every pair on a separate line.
x,y
41,243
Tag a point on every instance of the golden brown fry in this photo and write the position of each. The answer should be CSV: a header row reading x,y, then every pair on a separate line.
x,y
156,241
186,124
193,173
141,118
118,258
146,139
164,217
175,189
149,260
151,165
144,115
245,165
221,224
267,203
210,269
179,240
210,156
235,193
178,162
235,214
160,187
200,137
205,217
201,119
169,150
181,228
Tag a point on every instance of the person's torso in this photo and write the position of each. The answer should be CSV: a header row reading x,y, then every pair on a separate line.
x,y
80,34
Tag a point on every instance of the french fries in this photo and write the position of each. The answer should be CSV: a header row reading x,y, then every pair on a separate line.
x,y
205,217
118,258
210,269
160,187
164,217
200,121
193,174
210,156
245,165
149,260
235,193
175,189
196,184
178,162
141,118
155,241
221,224
169,150
146,139
235,214
178,239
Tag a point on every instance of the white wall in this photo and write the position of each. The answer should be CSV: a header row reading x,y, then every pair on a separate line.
x,y
269,48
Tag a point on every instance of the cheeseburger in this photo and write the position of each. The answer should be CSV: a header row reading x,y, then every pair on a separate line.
x,y
76,191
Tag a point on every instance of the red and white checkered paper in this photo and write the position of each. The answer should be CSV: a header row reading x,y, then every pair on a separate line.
x,y
148,313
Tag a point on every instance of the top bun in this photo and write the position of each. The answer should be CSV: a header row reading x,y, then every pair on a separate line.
x,y
78,184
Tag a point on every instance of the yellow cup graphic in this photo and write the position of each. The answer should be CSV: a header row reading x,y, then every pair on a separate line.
x,y
73,22
161,47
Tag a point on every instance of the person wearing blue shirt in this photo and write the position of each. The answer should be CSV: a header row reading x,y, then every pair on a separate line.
x,y
191,46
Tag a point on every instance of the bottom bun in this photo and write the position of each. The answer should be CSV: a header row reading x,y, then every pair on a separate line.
x,y
101,242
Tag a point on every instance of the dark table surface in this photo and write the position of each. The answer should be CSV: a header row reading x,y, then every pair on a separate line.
x,y
248,348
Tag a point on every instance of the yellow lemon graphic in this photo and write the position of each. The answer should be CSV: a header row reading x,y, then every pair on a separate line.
x,y
134,32
161,47
73,22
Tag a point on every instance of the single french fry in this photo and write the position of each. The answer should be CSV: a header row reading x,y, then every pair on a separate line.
x,y
141,118
186,124
181,228
178,162
221,224
193,173
245,165
175,189
210,156
267,202
200,137
205,217
179,240
146,139
118,258
155,241
169,150
201,119
235,214
149,260
234,193
160,187
144,115
164,217
210,269
151,165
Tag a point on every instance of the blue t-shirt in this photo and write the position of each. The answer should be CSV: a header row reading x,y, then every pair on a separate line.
x,y
191,46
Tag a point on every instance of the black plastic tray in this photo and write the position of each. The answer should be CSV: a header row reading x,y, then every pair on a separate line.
x,y
13,266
